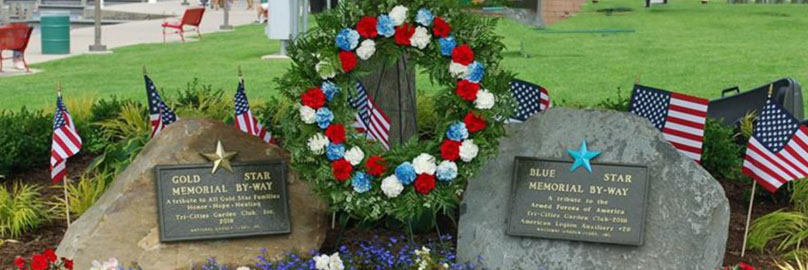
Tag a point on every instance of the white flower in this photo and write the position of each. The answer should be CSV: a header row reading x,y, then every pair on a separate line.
x,y
335,262
111,264
317,143
308,115
321,262
421,38
366,49
398,14
458,70
354,155
468,150
424,164
391,186
325,69
485,100
97,266
243,268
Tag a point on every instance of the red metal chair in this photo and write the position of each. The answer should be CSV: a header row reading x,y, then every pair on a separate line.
x,y
192,17
15,37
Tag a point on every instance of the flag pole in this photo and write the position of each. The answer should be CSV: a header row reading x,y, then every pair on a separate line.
x,y
752,198
144,71
65,179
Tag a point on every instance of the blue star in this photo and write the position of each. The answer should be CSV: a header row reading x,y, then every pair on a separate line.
x,y
582,157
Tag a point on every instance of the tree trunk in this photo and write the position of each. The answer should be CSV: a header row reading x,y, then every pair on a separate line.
x,y
393,90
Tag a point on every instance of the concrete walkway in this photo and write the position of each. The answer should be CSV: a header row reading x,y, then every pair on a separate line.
x,y
140,32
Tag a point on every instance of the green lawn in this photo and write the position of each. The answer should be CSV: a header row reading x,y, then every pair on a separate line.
x,y
683,46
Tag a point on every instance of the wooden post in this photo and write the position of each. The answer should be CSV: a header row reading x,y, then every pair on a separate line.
x,y
393,90
748,219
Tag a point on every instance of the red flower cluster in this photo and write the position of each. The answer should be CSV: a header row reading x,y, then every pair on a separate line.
x,y
404,33
424,184
467,90
335,133
474,122
463,54
46,260
745,266
375,166
440,27
450,150
348,60
341,169
314,98
367,27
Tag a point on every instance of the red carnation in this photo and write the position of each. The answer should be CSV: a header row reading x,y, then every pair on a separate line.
x,y
50,255
39,262
19,262
745,266
341,169
335,133
68,263
474,122
463,54
441,28
348,60
450,150
404,33
424,183
467,90
314,98
375,165
367,27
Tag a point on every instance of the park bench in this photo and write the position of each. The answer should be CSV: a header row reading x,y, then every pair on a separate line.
x,y
15,37
192,17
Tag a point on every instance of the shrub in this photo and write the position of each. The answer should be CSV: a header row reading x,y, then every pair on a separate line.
x,y
199,100
722,154
620,103
131,130
84,193
24,140
788,229
21,210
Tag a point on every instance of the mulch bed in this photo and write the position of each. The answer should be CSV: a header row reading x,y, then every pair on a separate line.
x,y
50,235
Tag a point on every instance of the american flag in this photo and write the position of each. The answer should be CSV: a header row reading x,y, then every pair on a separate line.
x,y
681,118
370,119
245,121
66,141
777,152
530,98
159,113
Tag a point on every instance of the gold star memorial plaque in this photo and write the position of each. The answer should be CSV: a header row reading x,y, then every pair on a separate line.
x,y
220,158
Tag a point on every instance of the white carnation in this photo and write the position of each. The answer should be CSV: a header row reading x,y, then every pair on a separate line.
x,y
335,262
468,150
243,268
420,38
317,143
424,164
354,155
485,100
308,115
458,70
321,262
391,186
366,49
398,14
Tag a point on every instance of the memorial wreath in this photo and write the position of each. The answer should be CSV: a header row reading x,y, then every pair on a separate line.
x,y
425,175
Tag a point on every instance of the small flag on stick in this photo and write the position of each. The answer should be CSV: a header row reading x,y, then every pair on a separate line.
x,y
159,113
370,119
66,141
245,120
530,99
681,118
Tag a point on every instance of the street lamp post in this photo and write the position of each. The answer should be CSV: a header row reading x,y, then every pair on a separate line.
x,y
226,25
97,47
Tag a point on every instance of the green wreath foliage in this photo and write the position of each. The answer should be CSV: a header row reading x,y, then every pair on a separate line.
x,y
315,53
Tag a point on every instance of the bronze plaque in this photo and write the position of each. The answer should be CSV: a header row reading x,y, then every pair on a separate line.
x,y
194,204
605,206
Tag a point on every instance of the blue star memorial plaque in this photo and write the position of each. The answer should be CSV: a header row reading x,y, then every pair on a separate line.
x,y
605,203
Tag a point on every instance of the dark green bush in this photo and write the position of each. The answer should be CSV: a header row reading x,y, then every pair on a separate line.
x,y
25,139
722,155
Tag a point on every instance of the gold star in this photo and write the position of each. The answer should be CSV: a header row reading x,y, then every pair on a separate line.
x,y
220,158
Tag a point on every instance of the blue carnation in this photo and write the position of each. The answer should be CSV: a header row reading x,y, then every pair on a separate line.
x,y
447,171
457,132
330,89
424,17
447,45
385,26
324,116
361,182
347,39
405,173
335,151
476,72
